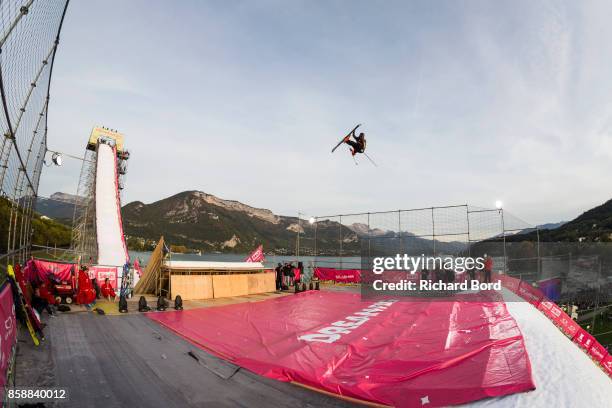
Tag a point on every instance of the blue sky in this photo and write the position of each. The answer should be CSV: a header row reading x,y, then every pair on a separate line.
x,y
461,101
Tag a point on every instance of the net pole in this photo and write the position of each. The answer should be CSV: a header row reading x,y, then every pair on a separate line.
x,y
467,216
340,223
399,230
433,231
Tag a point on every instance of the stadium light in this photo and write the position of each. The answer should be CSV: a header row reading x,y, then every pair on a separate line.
x,y
498,204
312,220
57,159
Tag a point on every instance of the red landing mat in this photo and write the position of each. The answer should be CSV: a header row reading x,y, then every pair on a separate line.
x,y
400,353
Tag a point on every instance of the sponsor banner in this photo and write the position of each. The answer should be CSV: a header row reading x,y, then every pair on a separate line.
x,y
567,324
338,275
512,284
584,339
597,351
529,293
101,273
8,333
559,317
38,271
607,364
404,354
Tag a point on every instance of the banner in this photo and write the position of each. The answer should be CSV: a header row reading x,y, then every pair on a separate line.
x,y
8,333
338,275
38,271
137,268
529,293
584,339
402,354
559,317
101,273
512,284
607,364
257,255
597,351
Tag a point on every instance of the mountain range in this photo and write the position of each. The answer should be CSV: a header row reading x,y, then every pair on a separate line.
x,y
197,221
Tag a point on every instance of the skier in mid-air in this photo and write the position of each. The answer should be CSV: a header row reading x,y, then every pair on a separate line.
x,y
358,145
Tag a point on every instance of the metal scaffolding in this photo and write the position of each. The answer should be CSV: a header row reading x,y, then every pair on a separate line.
x,y
83,243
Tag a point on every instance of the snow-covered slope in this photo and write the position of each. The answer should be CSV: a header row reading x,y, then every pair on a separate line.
x,y
563,374
112,250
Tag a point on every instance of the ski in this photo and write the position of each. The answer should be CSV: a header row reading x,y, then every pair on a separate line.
x,y
344,138
22,304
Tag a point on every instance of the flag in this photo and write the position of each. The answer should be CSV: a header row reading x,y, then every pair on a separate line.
x,y
137,267
257,255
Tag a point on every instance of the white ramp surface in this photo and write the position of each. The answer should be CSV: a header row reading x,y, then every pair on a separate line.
x,y
112,250
564,375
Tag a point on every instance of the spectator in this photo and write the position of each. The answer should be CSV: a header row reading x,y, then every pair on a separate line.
x,y
107,290
488,267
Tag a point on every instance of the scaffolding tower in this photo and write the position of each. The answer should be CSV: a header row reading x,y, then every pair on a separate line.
x,y
83,241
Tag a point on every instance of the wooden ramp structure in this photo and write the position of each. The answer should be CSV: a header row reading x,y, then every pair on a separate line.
x,y
150,281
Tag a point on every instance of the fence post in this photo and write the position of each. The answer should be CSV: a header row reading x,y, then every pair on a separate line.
x,y
467,214
504,237
341,242
433,231
399,230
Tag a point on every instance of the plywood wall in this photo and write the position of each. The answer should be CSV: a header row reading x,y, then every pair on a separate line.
x,y
262,283
192,287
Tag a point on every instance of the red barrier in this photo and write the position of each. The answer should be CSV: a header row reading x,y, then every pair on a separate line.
x,y
8,333
607,364
584,339
529,293
597,351
338,275
567,324
512,284
403,354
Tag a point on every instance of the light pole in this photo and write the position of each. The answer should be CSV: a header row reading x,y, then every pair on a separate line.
x,y
499,205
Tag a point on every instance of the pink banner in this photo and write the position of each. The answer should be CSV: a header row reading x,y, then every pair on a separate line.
x,y
512,284
338,275
584,339
8,333
597,351
530,294
257,255
101,273
567,324
38,271
403,354
607,364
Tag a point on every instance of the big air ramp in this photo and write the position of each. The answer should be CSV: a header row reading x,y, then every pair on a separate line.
x,y
112,250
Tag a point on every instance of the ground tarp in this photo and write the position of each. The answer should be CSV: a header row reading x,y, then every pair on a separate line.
x,y
405,354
